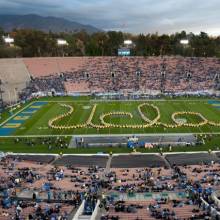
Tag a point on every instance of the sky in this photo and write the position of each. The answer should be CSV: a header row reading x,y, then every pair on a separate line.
x,y
135,16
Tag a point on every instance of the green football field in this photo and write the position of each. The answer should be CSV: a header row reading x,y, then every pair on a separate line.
x,y
122,113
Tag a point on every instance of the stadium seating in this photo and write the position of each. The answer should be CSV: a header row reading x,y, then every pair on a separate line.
x,y
137,161
42,187
191,159
39,67
82,161
109,74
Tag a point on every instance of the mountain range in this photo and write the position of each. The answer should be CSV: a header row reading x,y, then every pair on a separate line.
x,y
46,24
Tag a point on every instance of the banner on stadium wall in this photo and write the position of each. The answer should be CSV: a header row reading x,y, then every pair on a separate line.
x,y
77,94
39,94
201,92
140,93
148,146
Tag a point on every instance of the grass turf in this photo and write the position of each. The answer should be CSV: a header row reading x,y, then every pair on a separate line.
x,y
9,145
38,123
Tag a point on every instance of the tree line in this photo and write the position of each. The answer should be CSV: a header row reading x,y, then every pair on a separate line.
x,y
34,43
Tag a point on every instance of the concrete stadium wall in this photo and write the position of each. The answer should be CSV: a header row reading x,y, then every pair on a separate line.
x,y
14,76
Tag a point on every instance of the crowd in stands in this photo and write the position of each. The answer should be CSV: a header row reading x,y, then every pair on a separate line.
x,y
141,180
33,190
32,187
123,74
197,181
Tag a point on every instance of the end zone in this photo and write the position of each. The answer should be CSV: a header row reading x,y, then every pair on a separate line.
x,y
15,121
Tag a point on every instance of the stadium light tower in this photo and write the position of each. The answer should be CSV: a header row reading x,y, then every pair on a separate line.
x,y
184,42
128,43
8,40
62,43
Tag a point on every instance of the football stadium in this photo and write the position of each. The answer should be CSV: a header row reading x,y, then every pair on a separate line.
x,y
67,129
109,122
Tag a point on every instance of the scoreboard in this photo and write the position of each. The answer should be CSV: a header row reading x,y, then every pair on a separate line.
x,y
124,52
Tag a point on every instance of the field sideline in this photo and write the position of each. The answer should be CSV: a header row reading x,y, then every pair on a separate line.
x,y
36,124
